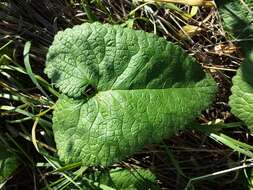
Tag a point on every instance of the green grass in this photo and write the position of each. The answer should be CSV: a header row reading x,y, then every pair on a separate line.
x,y
215,154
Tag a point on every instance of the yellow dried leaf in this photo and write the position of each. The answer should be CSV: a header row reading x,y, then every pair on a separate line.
x,y
188,31
186,2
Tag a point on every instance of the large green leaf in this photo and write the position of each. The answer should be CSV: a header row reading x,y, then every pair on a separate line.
x,y
8,164
122,89
238,20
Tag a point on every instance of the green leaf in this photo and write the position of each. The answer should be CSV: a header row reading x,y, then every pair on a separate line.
x,y
238,20
125,179
237,17
241,100
8,164
122,89
236,14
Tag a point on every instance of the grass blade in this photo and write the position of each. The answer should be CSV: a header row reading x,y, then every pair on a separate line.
x,y
29,69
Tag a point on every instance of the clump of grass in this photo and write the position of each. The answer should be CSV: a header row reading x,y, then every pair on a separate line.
x,y
190,159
